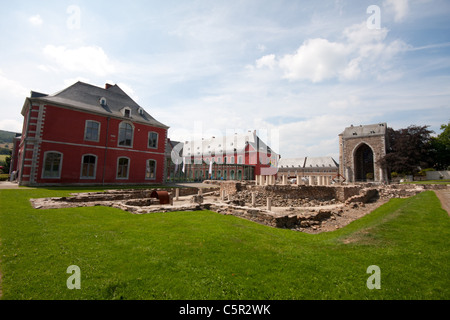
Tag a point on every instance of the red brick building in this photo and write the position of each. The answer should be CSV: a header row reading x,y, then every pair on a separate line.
x,y
89,135
241,156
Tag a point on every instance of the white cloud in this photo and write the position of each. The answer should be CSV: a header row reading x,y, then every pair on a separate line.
x,y
11,88
11,125
359,34
128,90
400,8
36,20
266,61
313,137
360,51
13,95
315,60
86,59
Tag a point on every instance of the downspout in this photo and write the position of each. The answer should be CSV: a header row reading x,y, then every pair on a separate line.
x,y
106,150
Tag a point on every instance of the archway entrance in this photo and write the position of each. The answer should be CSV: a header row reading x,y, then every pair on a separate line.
x,y
364,166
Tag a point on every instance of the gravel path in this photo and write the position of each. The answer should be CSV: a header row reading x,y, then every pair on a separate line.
x,y
444,196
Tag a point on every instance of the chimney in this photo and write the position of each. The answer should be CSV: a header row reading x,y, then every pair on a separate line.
x,y
107,86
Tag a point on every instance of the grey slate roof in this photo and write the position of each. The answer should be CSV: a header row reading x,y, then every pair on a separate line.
x,y
364,131
225,145
291,163
86,97
307,162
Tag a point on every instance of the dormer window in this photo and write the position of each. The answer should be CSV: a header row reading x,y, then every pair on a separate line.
x,y
141,111
103,101
126,112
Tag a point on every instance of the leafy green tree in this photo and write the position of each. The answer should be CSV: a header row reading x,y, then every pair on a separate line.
x,y
409,150
5,164
440,147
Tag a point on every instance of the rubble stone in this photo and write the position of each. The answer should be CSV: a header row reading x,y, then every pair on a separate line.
x,y
310,209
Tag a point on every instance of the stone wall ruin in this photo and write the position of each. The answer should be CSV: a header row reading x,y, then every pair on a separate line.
x,y
310,209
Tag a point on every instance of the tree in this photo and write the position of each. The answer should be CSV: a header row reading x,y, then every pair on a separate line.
x,y
440,148
5,165
409,150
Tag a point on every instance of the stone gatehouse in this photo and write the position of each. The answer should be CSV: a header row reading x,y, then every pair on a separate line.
x,y
360,149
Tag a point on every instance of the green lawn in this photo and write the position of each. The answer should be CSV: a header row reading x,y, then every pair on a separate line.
x,y
205,255
444,181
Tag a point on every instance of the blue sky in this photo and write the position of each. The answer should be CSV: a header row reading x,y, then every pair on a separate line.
x,y
303,69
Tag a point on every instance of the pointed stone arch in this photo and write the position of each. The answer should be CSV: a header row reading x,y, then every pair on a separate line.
x,y
363,162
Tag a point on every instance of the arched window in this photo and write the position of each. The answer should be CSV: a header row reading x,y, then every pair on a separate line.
x,y
52,165
125,134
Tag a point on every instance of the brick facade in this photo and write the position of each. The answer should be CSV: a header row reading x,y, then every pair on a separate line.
x,y
67,141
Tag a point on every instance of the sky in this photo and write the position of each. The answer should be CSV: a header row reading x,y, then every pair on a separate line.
x,y
298,72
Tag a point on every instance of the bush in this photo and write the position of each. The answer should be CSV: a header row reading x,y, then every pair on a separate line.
x,y
423,172
4,177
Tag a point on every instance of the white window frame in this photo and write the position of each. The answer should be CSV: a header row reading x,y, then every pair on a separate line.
x,y
98,131
147,167
132,134
124,112
157,140
59,168
128,169
95,167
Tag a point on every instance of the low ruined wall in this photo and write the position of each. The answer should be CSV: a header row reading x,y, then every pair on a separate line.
x,y
318,193
231,187
188,191
437,175
345,192
289,221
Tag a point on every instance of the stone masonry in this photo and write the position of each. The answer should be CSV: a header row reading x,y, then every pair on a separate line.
x,y
373,138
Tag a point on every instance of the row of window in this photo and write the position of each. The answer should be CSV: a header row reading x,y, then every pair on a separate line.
x,y
126,133
228,160
200,174
53,165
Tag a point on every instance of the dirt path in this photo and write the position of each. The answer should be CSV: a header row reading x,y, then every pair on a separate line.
x,y
444,197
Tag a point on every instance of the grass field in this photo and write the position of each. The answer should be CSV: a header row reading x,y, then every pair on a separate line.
x,y
205,255
444,181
